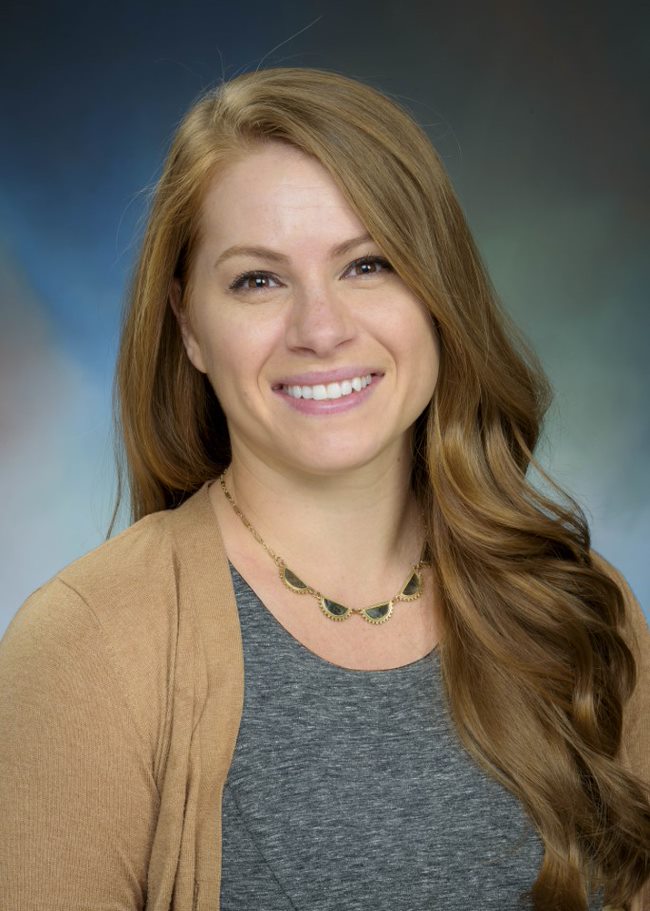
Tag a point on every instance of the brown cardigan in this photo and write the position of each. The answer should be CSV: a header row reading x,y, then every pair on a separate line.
x,y
121,684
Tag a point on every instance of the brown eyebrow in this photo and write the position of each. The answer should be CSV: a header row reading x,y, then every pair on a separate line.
x,y
267,253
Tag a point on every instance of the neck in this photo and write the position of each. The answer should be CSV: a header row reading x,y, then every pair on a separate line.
x,y
352,533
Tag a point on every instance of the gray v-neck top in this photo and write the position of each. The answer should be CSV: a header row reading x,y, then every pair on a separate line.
x,y
351,790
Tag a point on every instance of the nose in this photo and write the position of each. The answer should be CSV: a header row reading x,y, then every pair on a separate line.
x,y
319,321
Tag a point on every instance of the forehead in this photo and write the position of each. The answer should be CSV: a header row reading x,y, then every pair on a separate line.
x,y
275,190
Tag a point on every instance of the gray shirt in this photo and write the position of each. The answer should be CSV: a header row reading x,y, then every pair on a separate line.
x,y
350,790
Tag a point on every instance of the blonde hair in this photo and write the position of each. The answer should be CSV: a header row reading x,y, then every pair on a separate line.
x,y
536,669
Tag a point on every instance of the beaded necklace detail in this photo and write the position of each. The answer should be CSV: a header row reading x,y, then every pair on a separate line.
x,y
411,590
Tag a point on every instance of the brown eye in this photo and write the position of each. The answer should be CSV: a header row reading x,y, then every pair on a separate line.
x,y
252,281
369,265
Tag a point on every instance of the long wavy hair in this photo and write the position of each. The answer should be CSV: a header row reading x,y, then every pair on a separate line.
x,y
536,668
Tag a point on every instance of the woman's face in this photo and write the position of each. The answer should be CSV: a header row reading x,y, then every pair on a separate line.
x,y
320,356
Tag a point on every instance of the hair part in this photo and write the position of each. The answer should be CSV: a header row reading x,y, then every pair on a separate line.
x,y
536,668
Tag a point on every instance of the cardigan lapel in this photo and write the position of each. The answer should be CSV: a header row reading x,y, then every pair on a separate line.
x,y
208,608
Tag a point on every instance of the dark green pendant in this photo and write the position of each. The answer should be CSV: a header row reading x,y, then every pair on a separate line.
x,y
379,613
292,581
333,610
413,586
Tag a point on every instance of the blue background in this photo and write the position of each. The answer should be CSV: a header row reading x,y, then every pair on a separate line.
x,y
539,112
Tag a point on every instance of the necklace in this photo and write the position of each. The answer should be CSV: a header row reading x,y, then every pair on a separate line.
x,y
411,590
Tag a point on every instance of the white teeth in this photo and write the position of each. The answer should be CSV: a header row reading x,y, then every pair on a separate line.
x,y
331,390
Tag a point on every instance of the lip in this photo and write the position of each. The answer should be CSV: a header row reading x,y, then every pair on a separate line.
x,y
316,378
330,406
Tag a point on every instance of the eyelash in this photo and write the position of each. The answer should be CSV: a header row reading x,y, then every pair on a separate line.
x,y
239,282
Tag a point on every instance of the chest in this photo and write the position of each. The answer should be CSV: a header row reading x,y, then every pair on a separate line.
x,y
411,632
358,780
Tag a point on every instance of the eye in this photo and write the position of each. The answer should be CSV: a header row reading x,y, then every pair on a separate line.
x,y
252,281
369,265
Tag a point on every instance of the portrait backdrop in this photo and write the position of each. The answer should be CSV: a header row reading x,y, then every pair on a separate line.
x,y
539,111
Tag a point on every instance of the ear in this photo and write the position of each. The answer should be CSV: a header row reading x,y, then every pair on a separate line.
x,y
190,341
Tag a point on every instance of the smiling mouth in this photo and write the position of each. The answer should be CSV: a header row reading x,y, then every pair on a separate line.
x,y
323,391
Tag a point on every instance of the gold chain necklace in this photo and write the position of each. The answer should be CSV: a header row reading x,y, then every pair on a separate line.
x,y
411,590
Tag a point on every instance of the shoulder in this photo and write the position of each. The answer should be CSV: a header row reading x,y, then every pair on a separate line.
x,y
129,572
133,578
120,583
112,613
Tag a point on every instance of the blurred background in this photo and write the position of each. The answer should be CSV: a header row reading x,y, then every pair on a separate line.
x,y
539,111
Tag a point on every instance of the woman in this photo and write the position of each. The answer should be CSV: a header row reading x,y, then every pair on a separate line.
x,y
347,656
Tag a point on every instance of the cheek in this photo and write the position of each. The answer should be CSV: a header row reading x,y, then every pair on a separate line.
x,y
236,356
434,351
422,349
411,335
427,335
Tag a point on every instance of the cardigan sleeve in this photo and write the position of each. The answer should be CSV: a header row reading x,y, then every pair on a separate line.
x,y
78,800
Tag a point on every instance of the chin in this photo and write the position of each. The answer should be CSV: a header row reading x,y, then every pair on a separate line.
x,y
327,462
